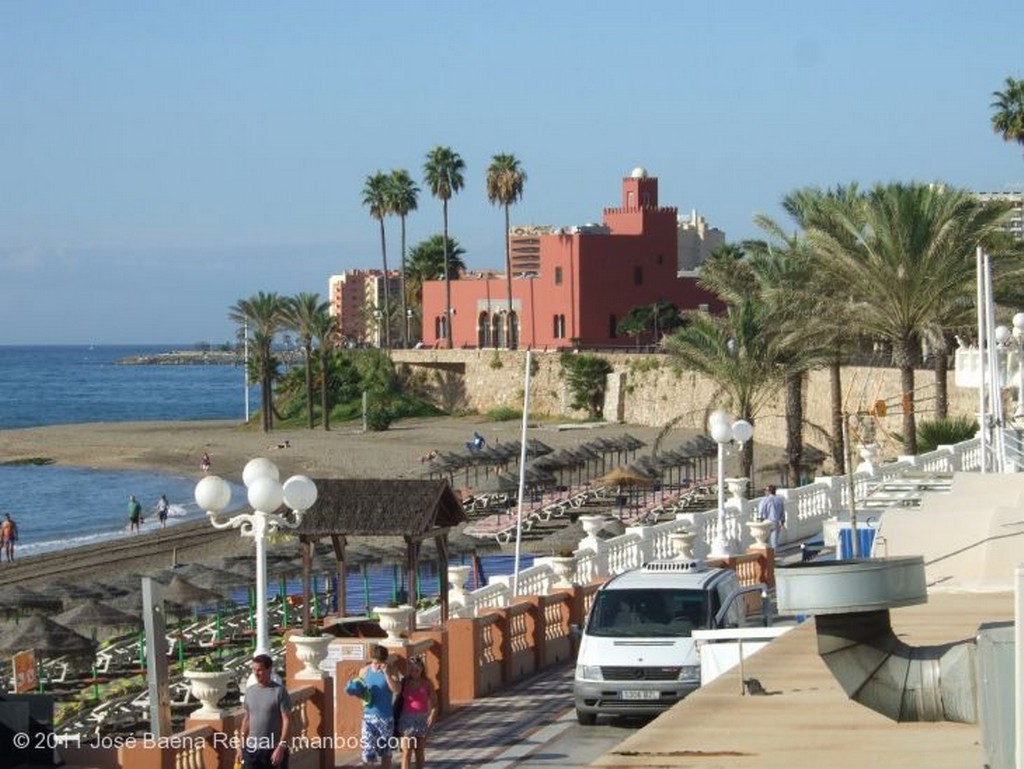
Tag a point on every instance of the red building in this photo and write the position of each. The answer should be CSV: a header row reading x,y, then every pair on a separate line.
x,y
574,285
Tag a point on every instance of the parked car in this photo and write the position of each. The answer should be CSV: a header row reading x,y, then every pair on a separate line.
x,y
637,655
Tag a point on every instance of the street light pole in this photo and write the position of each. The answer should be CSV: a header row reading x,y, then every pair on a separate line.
x,y
723,430
265,494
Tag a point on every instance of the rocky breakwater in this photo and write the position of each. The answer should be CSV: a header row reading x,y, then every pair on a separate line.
x,y
185,358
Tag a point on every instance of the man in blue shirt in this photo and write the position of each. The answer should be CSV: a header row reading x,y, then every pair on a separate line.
x,y
772,508
377,684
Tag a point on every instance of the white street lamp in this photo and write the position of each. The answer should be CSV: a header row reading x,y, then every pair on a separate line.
x,y
723,430
266,494
1006,337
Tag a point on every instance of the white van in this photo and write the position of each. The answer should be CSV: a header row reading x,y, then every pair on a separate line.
x,y
636,654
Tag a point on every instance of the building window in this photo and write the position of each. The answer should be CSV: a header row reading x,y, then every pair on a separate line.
x,y
558,276
613,327
559,327
638,275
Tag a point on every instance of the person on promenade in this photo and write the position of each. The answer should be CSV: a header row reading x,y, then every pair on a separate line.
x,y
772,508
377,684
162,508
204,463
134,514
8,536
419,711
266,722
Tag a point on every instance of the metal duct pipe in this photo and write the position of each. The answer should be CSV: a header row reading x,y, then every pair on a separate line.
x,y
850,601
904,683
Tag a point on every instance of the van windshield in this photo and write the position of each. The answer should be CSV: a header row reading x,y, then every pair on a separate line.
x,y
648,613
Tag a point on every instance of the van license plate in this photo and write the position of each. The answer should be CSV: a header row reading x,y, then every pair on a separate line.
x,y
640,694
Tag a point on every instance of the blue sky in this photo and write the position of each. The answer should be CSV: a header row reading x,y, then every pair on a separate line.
x,y
161,160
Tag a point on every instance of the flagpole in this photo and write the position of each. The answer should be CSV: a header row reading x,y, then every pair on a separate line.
x,y
522,472
245,367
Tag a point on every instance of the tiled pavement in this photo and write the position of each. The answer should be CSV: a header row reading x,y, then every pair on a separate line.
x,y
494,730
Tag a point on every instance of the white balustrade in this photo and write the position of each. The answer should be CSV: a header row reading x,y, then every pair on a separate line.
x,y
807,508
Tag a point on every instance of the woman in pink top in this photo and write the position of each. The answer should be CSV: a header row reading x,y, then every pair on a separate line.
x,y
419,710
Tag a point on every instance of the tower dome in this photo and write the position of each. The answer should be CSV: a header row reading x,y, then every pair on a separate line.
x,y
639,173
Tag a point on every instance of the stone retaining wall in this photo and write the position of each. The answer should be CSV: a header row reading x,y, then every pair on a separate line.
x,y
651,390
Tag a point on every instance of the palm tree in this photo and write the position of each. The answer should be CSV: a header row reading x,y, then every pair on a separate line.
x,y
505,181
814,207
426,262
404,194
738,353
377,197
325,331
776,273
1009,117
443,175
263,314
303,310
902,254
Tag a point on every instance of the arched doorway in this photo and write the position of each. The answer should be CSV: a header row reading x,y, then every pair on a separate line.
x,y
483,330
513,330
498,329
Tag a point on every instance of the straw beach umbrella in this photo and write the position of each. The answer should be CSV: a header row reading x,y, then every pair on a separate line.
x,y
93,616
46,637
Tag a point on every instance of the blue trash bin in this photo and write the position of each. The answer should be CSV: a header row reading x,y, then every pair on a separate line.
x,y
865,537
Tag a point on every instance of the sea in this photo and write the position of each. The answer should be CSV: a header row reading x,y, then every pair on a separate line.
x,y
57,506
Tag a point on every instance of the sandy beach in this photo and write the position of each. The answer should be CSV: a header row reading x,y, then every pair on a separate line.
x,y
343,452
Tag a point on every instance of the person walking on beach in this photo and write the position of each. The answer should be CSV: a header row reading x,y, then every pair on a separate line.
x,y
162,508
8,536
419,711
266,720
377,684
772,508
134,514
204,463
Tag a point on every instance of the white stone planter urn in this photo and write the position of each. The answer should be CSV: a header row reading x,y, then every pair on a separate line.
x,y
458,576
592,524
564,567
760,530
310,651
737,488
209,687
394,620
683,541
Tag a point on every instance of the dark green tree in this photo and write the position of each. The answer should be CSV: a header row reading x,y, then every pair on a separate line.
x,y
404,198
377,196
301,314
587,379
505,181
1008,118
263,317
442,173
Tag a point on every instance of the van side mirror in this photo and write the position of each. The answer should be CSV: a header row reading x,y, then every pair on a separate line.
x,y
574,630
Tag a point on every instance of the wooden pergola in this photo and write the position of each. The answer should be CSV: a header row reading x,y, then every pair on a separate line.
x,y
415,510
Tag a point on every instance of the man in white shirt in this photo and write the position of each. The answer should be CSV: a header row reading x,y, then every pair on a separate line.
x,y
772,508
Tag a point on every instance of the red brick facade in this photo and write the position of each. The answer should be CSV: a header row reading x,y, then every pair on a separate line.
x,y
587,280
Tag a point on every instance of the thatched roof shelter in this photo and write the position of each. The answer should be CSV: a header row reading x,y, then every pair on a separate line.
x,y
416,510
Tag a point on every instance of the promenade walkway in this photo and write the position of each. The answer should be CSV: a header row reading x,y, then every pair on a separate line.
x,y
495,730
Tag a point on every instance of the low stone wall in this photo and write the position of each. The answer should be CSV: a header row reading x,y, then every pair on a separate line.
x,y
652,390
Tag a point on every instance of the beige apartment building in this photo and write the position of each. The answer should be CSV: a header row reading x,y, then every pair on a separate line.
x,y
357,302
